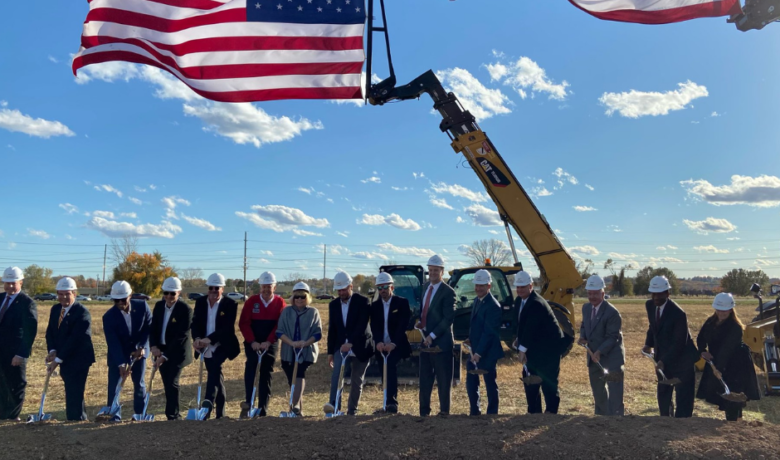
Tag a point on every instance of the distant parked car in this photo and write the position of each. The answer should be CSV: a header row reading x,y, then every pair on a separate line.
x,y
325,297
139,296
83,298
236,296
194,295
103,298
46,296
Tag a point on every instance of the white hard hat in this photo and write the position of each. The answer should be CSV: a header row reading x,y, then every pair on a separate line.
x,y
215,279
301,286
341,280
723,302
121,290
482,277
267,278
436,261
384,278
66,284
595,283
523,279
172,284
12,275
659,284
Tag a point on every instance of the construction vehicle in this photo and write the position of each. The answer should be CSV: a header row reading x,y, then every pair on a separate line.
x,y
761,336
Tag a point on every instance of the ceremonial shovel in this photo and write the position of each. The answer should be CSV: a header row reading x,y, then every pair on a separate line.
x,y
607,376
529,379
144,417
107,413
336,412
424,348
40,416
253,410
203,409
291,412
468,350
728,395
664,380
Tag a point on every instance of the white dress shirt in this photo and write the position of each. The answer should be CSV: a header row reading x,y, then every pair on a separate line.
x,y
387,315
345,310
166,319
266,304
661,309
520,312
433,288
211,326
128,320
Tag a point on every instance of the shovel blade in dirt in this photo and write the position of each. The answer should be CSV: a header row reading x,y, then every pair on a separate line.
x,y
478,371
616,376
734,397
108,413
673,381
35,418
143,418
253,413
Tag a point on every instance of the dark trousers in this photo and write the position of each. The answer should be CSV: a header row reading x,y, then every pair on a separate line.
x,y
548,371
139,385
392,381
215,383
75,381
491,387
435,366
266,376
13,382
684,393
170,374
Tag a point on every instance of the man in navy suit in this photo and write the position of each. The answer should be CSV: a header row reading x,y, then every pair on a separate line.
x,y
18,326
126,327
390,316
69,341
485,343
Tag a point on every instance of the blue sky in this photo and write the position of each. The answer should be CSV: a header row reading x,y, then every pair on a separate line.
x,y
653,145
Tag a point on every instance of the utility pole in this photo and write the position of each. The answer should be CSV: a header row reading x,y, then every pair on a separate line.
x,y
105,252
245,264
324,268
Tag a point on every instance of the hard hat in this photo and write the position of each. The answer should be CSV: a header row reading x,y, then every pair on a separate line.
x,y
121,290
12,275
436,261
482,277
384,278
723,302
301,286
215,279
659,284
595,283
341,280
523,279
66,284
267,278
171,284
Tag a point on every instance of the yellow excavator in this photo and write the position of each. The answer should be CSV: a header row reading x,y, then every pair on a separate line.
x,y
761,336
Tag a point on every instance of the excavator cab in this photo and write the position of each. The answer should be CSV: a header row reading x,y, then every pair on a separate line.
x,y
761,336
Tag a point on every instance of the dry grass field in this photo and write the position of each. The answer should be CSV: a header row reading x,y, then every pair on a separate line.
x,y
575,390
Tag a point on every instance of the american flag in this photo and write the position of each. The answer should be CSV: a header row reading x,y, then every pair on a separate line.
x,y
657,11
235,50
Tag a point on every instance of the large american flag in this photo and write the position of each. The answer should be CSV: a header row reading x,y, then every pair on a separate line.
x,y
657,11
235,50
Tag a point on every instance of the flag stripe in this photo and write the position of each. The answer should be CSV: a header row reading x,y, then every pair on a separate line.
x,y
160,10
130,18
629,10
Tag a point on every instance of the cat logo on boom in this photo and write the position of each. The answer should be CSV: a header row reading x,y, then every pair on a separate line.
x,y
497,178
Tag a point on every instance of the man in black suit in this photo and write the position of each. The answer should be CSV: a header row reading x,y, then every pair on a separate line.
x,y
69,341
348,330
675,352
171,342
438,312
18,326
214,330
390,316
540,342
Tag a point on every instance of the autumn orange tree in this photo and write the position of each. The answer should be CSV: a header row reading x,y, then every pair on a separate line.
x,y
144,272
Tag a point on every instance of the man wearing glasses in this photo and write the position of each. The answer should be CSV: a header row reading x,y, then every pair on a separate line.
x,y
390,316
171,342
214,330
126,327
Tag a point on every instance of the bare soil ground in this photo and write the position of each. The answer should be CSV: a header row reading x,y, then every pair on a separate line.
x,y
574,433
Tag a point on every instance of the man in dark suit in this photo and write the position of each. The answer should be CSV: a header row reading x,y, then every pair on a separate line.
x,y
540,342
18,326
485,343
214,332
348,330
171,342
69,341
601,333
436,318
675,352
390,316
126,327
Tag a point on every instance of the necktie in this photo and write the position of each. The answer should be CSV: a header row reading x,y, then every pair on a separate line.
x,y
657,316
426,305
5,306
592,315
62,315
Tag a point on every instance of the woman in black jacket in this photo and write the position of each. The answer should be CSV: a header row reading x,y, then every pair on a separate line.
x,y
720,341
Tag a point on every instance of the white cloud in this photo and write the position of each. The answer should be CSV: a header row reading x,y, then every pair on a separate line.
x,y
418,175
710,249
344,234
283,219
130,215
482,216
54,59
762,191
263,261
369,255
673,248
201,223
537,192
372,179
152,186
765,263
482,102
135,200
399,189
266,253
170,203
564,177
69,208
440,203
525,75
460,220
393,220
38,233
635,104
68,237
710,224
614,228
105,214
108,188
655,261
11,245
584,250
139,189
307,191
407,251
715,114
589,187
16,121
115,229
495,232
584,208
460,191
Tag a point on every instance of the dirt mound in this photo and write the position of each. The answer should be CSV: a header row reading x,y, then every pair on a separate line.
x,y
396,437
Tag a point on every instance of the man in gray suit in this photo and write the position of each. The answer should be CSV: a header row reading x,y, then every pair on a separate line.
x,y
601,333
435,321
